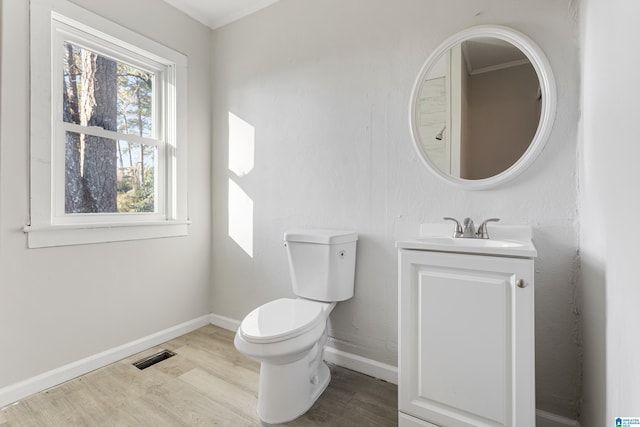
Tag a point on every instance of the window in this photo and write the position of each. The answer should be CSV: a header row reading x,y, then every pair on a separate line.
x,y
111,138
108,153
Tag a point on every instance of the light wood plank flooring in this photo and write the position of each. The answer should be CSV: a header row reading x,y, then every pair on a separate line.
x,y
207,383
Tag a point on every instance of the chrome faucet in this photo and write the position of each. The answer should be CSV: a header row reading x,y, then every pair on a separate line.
x,y
468,230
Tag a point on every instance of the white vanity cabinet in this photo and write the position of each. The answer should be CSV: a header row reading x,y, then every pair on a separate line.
x,y
466,338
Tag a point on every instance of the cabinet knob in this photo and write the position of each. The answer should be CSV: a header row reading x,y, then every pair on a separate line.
x,y
521,283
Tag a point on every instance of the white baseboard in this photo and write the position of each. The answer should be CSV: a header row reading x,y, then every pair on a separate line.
x,y
547,419
361,364
22,389
225,322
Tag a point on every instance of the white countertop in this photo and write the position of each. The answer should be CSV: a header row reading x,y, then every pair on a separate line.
x,y
505,240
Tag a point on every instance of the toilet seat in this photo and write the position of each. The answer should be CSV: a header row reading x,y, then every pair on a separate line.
x,y
280,320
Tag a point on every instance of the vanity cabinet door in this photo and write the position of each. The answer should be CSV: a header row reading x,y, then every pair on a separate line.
x,y
466,339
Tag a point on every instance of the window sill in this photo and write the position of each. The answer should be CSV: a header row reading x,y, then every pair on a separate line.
x,y
83,234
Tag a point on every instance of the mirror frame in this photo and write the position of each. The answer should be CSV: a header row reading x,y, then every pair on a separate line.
x,y
547,111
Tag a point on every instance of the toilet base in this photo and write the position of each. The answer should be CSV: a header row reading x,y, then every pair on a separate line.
x,y
286,391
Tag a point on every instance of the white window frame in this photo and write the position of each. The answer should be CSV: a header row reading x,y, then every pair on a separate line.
x,y
52,23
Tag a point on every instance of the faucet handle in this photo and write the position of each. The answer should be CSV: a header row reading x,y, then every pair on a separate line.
x,y
482,230
458,230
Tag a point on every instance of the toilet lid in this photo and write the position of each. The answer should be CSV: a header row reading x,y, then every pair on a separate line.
x,y
281,319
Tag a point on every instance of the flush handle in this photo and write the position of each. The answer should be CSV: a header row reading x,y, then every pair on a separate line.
x,y
342,254
521,283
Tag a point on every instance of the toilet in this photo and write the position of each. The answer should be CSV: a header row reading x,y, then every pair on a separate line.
x,y
287,336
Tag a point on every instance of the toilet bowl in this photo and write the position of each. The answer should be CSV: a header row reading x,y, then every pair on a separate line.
x,y
288,335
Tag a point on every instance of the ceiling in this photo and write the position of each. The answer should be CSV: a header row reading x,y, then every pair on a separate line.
x,y
216,13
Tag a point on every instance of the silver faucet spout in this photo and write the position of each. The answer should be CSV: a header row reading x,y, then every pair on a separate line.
x,y
468,229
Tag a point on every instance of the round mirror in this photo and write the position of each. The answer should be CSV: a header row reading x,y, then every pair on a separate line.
x,y
482,107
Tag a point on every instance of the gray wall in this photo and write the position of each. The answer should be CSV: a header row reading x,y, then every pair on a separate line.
x,y
59,305
609,206
326,86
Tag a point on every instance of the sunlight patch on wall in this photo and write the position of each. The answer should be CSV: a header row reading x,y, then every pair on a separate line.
x,y
241,218
241,157
241,145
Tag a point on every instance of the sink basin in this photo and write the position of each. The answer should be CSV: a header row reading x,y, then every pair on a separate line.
x,y
475,243
511,241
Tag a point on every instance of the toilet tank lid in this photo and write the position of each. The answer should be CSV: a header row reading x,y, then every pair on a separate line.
x,y
326,237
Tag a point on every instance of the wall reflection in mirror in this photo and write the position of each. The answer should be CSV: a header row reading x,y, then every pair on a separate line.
x,y
478,108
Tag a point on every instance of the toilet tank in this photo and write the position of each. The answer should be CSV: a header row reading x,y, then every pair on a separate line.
x,y
322,263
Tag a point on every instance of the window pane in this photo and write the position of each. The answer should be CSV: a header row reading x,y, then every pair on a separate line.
x,y
100,91
104,175
136,177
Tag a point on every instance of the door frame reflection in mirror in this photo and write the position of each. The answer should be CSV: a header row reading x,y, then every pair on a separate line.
x,y
547,110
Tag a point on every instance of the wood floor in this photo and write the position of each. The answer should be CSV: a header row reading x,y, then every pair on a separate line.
x,y
207,383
